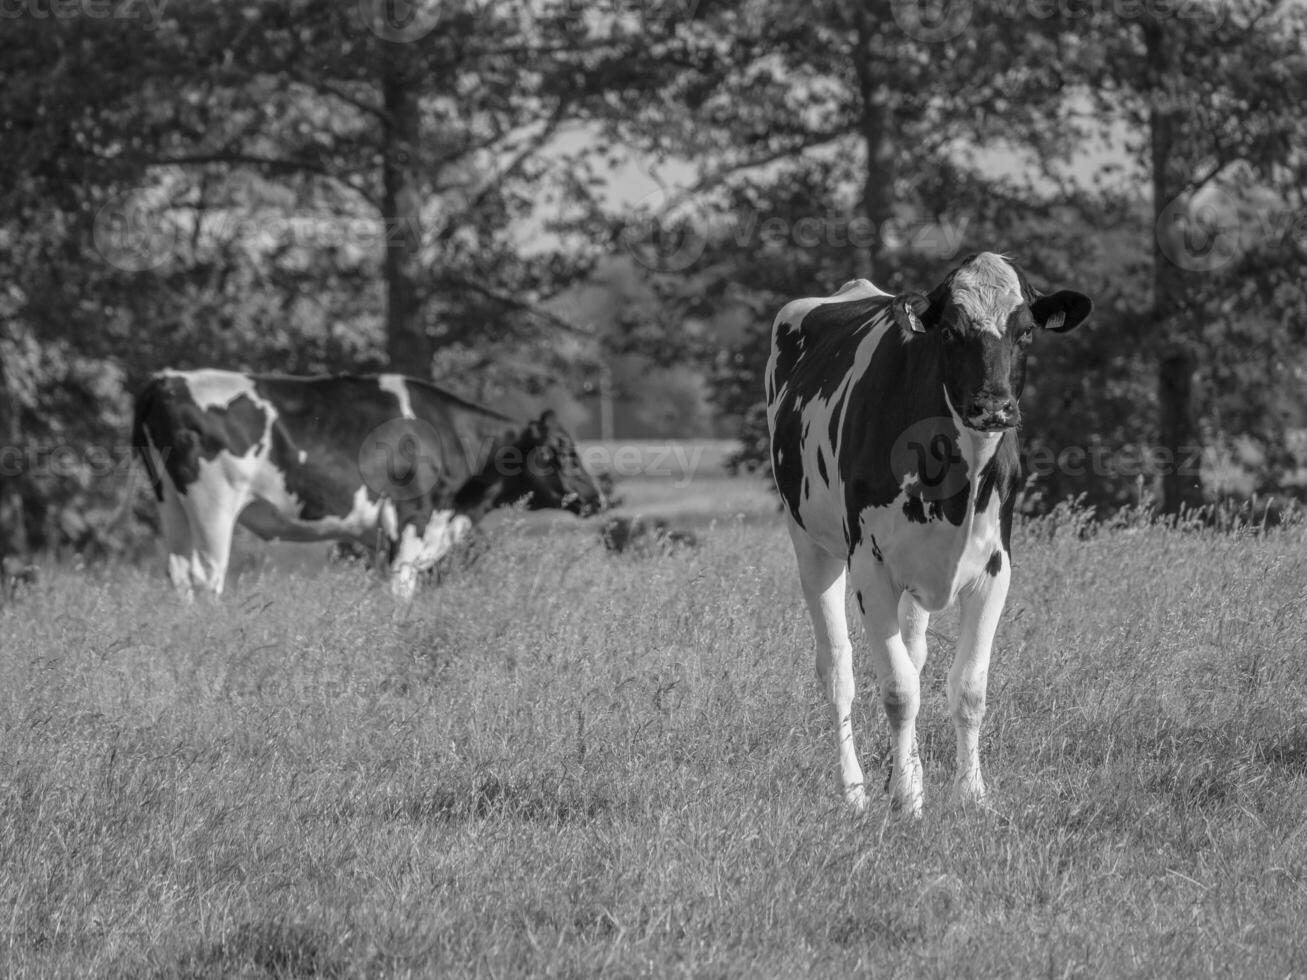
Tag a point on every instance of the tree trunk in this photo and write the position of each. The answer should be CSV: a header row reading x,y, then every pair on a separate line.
x,y
877,130
13,518
1177,433
409,346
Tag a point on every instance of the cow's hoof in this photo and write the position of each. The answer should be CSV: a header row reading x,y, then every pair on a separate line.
x,y
856,797
968,792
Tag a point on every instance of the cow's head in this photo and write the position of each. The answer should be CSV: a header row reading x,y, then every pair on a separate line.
x,y
546,471
983,317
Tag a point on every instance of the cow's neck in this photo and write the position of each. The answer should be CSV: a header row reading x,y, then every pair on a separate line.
x,y
983,452
979,449
487,489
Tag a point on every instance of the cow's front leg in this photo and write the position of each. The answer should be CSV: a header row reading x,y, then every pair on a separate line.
x,y
897,673
821,575
981,605
417,552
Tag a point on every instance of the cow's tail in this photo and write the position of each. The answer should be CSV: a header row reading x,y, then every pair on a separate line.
x,y
149,404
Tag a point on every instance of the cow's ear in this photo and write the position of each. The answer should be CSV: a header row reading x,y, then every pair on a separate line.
x,y
908,309
1061,311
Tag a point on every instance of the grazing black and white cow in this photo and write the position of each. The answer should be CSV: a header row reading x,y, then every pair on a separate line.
x,y
380,458
895,449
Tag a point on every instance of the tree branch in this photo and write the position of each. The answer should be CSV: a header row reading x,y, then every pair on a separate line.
x,y
532,146
517,303
722,174
275,164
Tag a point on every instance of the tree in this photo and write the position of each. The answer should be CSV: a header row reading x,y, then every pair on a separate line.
x,y
1211,96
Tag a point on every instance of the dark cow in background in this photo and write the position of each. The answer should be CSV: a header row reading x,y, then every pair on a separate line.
x,y
339,458
895,449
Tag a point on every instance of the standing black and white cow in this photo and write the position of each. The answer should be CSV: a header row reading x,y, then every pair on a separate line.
x,y
338,458
895,449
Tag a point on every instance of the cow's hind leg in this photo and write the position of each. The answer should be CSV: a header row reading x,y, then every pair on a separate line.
x,y
897,661
981,605
822,576
177,539
214,507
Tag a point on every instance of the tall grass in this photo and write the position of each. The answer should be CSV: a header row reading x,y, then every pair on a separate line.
x,y
562,763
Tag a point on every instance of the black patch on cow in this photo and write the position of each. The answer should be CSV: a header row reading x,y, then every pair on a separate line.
x,y
875,550
861,607
995,563
238,428
896,707
914,511
821,467
807,489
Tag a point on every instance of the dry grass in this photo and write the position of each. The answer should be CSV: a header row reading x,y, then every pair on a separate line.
x,y
568,764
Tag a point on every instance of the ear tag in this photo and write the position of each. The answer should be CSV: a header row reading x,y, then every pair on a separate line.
x,y
906,315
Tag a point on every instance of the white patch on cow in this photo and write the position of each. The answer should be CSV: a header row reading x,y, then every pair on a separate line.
x,y
303,456
987,290
934,561
416,554
212,388
388,519
857,286
213,503
396,385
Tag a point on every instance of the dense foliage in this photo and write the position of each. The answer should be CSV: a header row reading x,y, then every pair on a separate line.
x,y
314,186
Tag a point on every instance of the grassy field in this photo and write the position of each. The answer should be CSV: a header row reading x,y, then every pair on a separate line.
x,y
567,764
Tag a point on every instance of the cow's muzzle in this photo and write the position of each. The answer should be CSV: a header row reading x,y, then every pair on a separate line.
x,y
992,413
584,506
